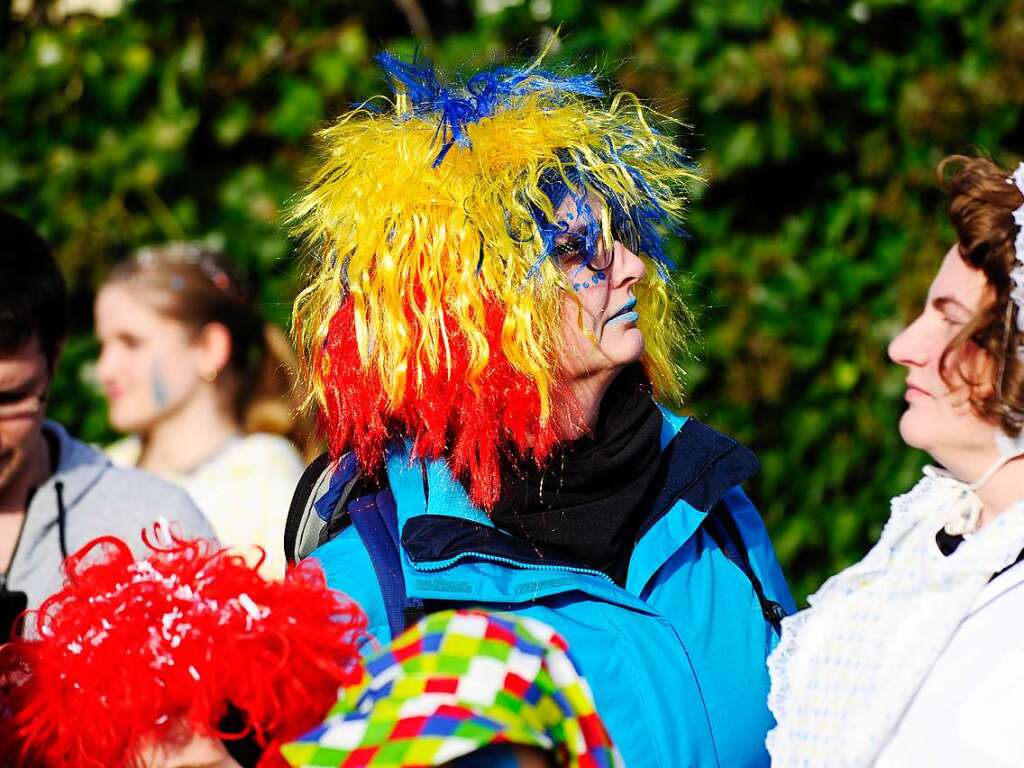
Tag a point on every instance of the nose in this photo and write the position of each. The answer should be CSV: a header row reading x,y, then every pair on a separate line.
x,y
105,364
629,268
906,349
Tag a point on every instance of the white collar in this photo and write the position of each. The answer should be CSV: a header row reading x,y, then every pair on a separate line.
x,y
846,668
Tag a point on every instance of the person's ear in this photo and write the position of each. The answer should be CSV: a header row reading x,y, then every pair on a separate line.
x,y
214,347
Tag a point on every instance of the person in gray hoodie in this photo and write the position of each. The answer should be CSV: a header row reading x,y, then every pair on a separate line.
x,y
56,493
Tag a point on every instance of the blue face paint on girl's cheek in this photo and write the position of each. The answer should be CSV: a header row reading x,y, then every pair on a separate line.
x,y
158,387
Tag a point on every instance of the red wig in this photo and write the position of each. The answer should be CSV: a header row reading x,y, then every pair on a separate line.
x,y
131,652
467,420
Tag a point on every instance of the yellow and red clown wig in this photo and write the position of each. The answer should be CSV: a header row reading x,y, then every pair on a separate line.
x,y
135,654
433,312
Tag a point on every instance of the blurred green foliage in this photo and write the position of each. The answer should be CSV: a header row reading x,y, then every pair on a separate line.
x,y
819,125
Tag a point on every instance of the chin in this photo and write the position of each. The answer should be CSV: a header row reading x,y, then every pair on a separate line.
x,y
631,349
915,430
126,422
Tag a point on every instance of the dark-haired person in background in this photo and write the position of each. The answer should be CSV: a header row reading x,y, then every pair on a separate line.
x,y
55,492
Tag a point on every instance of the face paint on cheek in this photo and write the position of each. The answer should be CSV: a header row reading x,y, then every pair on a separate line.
x,y
158,387
590,282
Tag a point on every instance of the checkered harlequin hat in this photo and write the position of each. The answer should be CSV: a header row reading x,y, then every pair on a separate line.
x,y
455,683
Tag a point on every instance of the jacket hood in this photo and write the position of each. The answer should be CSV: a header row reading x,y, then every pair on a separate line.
x,y
79,467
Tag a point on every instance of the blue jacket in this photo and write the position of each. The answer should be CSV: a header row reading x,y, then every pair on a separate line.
x,y
676,659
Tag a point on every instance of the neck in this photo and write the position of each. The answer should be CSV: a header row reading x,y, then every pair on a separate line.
x,y
588,393
997,493
1002,490
35,472
182,440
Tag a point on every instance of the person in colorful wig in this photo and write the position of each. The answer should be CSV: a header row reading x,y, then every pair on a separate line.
x,y
913,656
490,333
187,657
468,689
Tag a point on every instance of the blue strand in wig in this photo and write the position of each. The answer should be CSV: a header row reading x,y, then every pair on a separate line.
x,y
641,221
483,95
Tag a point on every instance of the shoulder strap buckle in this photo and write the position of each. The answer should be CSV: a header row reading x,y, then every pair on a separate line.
x,y
722,528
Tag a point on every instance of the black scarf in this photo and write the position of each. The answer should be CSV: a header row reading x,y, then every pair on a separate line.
x,y
587,504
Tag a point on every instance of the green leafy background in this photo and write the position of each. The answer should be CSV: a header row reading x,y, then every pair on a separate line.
x,y
818,123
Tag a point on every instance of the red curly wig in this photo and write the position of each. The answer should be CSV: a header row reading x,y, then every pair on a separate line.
x,y
131,652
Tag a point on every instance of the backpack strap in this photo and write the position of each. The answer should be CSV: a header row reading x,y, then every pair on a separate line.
x,y
721,526
315,475
317,512
323,506
375,518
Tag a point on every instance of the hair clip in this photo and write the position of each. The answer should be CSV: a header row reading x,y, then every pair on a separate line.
x,y
192,254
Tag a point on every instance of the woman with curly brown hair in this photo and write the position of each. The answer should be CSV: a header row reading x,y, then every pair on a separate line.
x,y
913,655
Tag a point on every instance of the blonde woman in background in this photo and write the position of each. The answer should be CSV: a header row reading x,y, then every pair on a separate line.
x,y
203,387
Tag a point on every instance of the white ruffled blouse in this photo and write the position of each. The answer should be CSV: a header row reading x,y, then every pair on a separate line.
x,y
848,667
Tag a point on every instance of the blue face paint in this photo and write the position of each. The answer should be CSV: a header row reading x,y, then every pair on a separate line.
x,y
590,282
158,387
639,226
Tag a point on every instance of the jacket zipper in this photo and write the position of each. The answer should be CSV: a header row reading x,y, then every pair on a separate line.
x,y
440,565
14,553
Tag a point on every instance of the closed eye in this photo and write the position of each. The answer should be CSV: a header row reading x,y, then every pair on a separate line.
x,y
20,392
953,312
6,398
124,338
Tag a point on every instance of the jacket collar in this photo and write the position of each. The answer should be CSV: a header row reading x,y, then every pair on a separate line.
x,y
427,488
444,535
700,466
